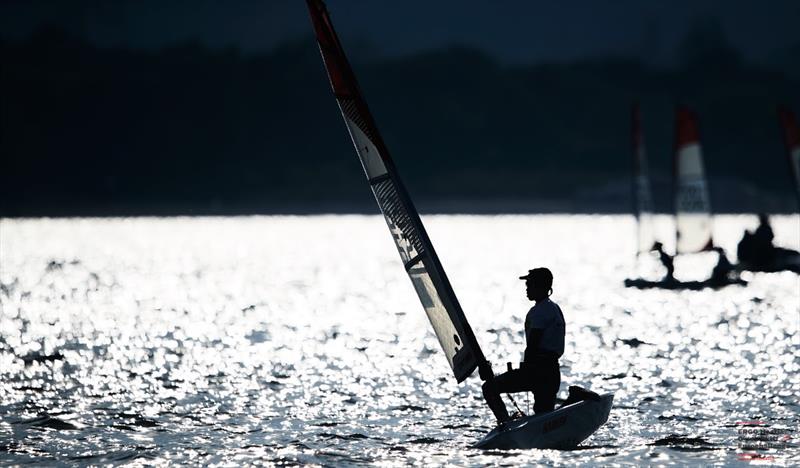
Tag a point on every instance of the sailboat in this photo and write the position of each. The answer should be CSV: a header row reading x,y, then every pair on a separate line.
x,y
565,427
693,222
641,192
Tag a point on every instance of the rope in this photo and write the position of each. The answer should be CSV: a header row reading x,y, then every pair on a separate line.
x,y
515,403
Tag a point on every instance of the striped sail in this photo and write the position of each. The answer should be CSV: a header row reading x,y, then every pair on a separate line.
x,y
642,195
416,252
692,204
791,137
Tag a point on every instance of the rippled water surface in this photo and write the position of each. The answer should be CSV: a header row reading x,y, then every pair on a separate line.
x,y
300,340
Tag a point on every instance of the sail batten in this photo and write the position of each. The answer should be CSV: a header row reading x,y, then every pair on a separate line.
x,y
413,244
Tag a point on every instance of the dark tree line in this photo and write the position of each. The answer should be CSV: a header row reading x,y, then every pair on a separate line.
x,y
85,130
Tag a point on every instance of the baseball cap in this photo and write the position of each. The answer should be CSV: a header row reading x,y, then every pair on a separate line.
x,y
539,275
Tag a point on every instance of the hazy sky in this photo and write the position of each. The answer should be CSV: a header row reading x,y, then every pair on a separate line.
x,y
512,30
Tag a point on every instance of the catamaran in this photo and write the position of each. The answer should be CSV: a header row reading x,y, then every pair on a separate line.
x,y
693,222
563,428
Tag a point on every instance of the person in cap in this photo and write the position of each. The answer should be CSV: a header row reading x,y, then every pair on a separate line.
x,y
544,338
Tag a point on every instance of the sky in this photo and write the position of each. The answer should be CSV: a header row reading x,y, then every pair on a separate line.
x,y
513,31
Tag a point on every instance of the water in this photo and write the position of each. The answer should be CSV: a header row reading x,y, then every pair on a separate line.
x,y
299,340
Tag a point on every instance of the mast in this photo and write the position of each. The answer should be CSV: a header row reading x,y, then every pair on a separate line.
x,y
693,225
642,195
413,244
791,138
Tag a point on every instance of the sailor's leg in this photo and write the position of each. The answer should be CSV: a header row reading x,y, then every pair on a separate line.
x,y
546,387
491,393
507,382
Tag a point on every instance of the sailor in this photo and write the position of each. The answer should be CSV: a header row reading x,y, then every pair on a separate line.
x,y
745,248
764,234
723,268
666,260
756,248
544,338
762,241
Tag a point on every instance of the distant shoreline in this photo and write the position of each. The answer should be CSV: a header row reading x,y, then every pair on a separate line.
x,y
466,207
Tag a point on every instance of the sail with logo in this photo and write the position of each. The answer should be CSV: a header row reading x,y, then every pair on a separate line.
x,y
693,225
419,258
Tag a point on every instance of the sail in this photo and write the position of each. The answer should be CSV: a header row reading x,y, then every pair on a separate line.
x,y
416,252
642,195
692,205
791,137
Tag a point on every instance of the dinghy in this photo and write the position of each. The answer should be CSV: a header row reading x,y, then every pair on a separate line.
x,y
417,254
563,428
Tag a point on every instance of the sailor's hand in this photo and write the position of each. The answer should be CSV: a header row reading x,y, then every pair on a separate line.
x,y
485,371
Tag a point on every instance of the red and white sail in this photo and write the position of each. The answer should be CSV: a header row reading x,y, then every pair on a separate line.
x,y
416,251
642,195
791,137
692,202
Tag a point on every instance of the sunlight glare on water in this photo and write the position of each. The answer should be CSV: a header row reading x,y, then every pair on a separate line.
x,y
300,340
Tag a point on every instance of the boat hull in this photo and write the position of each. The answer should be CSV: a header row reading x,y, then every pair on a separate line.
x,y
783,260
561,429
681,285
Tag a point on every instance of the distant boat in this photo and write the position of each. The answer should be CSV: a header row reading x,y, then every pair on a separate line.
x,y
576,421
693,225
791,138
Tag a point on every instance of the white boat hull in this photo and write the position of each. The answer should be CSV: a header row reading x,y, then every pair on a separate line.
x,y
563,428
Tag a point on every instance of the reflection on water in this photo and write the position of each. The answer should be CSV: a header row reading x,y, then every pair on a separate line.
x,y
300,340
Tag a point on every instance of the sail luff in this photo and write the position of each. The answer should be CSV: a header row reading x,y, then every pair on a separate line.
x,y
642,195
791,139
637,163
693,224
411,239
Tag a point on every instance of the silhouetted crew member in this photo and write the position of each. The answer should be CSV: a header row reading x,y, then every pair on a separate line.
x,y
756,248
745,250
666,260
764,250
544,338
764,234
723,268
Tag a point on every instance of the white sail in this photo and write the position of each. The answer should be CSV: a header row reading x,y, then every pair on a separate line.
x,y
642,195
419,258
791,136
692,203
